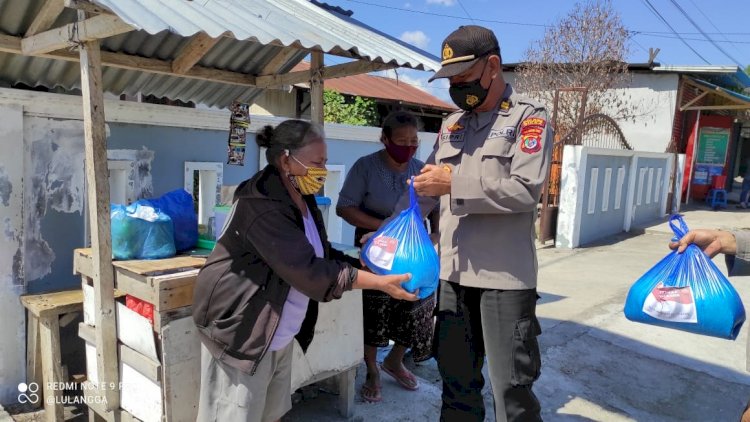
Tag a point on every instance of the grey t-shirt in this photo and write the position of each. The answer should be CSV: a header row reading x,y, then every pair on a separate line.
x,y
374,187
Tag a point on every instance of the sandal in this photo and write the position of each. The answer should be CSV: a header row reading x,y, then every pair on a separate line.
x,y
406,379
370,394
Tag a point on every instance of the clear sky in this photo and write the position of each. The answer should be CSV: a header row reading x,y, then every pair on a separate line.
x,y
425,23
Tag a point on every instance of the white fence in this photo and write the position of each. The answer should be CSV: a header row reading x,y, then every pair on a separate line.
x,y
606,191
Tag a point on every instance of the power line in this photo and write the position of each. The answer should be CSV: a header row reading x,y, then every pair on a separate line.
x,y
538,25
695,24
465,11
639,44
648,34
658,15
714,25
694,33
442,15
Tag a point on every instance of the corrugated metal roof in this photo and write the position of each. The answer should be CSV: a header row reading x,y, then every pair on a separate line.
x,y
713,87
289,22
726,76
259,31
371,86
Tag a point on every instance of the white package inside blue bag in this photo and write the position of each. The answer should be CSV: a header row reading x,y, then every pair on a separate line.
x,y
686,291
403,246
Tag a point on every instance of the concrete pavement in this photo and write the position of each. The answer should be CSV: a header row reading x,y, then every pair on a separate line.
x,y
598,366
698,216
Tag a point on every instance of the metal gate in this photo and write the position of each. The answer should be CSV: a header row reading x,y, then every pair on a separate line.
x,y
596,130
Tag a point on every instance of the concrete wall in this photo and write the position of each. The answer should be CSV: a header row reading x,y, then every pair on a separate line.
x,y
12,351
54,202
649,186
603,206
173,146
653,98
608,191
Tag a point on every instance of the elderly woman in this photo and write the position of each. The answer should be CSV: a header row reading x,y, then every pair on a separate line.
x,y
259,288
372,188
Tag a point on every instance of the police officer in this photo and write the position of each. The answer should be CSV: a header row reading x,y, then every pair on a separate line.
x,y
486,173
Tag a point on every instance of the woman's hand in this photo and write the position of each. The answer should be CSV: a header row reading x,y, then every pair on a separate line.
x,y
365,237
712,242
391,285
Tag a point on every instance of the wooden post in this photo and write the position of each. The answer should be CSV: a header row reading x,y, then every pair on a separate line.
x,y
316,87
97,191
34,353
346,381
691,164
49,334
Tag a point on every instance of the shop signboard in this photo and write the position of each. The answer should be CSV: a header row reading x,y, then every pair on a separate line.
x,y
712,146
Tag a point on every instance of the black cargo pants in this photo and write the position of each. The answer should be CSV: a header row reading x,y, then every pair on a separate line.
x,y
500,324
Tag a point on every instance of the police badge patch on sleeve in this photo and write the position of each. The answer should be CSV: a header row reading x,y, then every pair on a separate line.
x,y
532,129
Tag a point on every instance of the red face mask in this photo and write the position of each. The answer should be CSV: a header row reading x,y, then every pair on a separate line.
x,y
400,153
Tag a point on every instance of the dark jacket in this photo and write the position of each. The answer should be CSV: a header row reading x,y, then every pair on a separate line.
x,y
242,288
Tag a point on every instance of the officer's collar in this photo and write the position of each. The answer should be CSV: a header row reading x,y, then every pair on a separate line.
x,y
506,104
480,120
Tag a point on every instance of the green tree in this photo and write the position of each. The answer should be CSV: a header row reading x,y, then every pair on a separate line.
x,y
355,111
747,69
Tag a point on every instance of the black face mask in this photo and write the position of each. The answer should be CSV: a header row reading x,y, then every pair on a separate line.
x,y
469,95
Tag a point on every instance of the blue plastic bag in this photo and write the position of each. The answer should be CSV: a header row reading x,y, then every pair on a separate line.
x,y
403,246
178,205
687,292
141,232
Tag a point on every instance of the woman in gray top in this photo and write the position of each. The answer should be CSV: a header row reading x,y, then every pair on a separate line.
x,y
372,188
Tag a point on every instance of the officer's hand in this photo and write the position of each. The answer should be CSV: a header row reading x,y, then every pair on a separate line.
x,y
712,242
433,181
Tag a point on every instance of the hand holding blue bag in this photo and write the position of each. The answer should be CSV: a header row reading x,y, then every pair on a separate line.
x,y
686,291
403,246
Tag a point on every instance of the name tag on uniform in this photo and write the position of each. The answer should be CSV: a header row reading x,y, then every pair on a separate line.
x,y
452,137
504,132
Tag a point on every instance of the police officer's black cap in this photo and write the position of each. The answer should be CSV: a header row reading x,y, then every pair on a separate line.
x,y
464,47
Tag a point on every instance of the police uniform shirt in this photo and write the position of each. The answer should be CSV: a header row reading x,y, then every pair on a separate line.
x,y
498,161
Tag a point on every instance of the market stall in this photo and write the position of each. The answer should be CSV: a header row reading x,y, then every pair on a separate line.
x,y
215,53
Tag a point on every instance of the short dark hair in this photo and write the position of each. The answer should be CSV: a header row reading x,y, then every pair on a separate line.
x,y
396,120
288,135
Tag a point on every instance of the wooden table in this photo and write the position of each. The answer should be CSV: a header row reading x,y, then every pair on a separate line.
x,y
43,358
164,357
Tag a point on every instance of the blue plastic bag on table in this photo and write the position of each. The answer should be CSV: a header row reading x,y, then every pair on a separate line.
x,y
178,205
687,292
403,246
141,232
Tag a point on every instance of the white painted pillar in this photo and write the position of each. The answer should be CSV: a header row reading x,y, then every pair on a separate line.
x,y
12,315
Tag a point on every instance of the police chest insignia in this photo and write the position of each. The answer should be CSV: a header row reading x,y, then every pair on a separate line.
x,y
447,52
505,105
455,128
504,132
